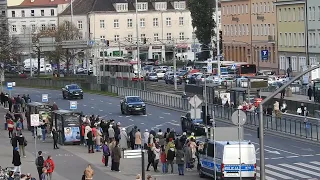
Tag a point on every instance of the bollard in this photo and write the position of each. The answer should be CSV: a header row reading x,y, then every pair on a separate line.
x,y
258,132
143,173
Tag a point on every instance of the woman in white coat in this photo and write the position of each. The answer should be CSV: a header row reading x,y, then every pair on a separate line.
x,y
98,139
86,130
124,139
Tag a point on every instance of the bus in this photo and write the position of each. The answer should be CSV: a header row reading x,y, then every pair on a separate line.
x,y
243,70
120,68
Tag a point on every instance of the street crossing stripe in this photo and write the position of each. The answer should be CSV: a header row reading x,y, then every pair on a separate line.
x,y
267,177
300,169
287,171
308,166
315,162
276,174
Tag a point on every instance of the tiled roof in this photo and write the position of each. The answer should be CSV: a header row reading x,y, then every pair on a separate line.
x,y
43,2
79,7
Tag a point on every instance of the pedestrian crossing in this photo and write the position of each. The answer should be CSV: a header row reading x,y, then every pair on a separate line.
x,y
299,170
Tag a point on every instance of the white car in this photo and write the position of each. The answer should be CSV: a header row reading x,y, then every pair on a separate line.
x,y
160,74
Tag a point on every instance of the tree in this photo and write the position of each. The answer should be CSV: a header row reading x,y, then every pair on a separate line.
x,y
203,23
64,32
9,46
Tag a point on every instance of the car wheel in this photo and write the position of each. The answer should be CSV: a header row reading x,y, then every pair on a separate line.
x,y
127,112
64,97
144,112
81,97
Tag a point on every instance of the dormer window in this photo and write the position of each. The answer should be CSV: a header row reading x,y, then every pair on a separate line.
x,y
161,6
122,7
142,6
179,5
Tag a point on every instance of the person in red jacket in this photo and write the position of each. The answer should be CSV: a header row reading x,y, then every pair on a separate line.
x,y
49,165
83,126
10,127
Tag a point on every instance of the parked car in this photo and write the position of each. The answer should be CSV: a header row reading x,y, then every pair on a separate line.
x,y
160,73
171,80
72,91
132,104
152,77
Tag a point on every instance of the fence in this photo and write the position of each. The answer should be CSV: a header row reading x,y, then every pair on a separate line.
x,y
132,154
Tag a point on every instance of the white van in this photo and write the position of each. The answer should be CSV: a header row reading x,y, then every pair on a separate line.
x,y
227,158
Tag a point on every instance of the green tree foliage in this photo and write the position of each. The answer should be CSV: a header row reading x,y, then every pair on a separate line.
x,y
203,22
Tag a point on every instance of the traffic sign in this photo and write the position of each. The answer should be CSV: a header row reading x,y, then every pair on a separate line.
x,y
234,67
73,105
239,118
264,55
195,101
9,85
45,98
209,68
35,120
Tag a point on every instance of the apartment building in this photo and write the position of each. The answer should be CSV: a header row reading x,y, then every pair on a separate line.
x,y
291,28
313,28
163,26
249,26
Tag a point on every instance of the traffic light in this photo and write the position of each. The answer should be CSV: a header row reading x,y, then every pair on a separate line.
x,y
107,42
145,41
91,61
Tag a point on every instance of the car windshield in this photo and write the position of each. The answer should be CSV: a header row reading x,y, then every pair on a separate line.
x,y
133,99
153,74
71,87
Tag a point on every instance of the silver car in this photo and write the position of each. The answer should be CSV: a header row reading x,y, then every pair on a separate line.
x,y
153,77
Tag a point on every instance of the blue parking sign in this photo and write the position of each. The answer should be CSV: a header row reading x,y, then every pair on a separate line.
x,y
264,55
45,98
73,105
9,85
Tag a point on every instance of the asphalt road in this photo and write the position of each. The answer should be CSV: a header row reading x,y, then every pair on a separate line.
x,y
288,154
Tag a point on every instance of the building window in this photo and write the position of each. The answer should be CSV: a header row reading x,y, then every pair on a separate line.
x,y
52,12
116,38
155,37
42,12
116,23
280,39
14,28
142,37
142,6
142,22
181,36
23,14
102,25
155,22
3,13
246,8
102,38
282,63
179,5
43,27
294,63
122,7
247,29
161,6
254,30
169,36
33,27
129,23
80,26
168,21
181,21
53,27
293,14
32,13
129,38
13,13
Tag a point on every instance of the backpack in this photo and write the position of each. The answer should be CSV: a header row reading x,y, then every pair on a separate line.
x,y
40,161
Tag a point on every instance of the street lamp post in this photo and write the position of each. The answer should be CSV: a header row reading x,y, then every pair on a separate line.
x,y
138,43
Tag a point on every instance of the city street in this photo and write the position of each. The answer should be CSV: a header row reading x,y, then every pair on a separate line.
x,y
285,158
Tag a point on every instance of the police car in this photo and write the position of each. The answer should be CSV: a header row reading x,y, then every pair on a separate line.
x,y
227,160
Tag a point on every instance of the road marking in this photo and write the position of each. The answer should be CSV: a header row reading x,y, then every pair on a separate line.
x,y
278,149
173,124
101,101
292,156
111,103
141,123
131,120
308,166
315,162
144,115
120,116
102,110
161,117
278,158
92,107
149,114
84,105
167,113
127,116
276,174
269,178
301,170
174,121
307,155
287,171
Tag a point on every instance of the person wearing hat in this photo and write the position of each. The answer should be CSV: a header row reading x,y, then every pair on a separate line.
x,y
146,135
111,133
117,131
124,139
16,161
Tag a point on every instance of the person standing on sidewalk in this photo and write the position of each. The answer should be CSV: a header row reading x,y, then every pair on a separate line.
x,y
10,127
49,165
180,161
39,163
16,161
106,153
55,138
22,143
116,156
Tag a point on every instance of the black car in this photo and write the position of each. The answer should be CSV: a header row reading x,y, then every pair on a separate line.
x,y
171,80
190,125
72,91
132,104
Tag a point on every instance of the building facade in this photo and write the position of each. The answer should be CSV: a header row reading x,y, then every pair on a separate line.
x,y
249,26
313,27
163,27
291,30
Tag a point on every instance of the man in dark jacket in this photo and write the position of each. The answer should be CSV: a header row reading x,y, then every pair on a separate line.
x,y
39,163
132,137
16,161
310,93
14,140
55,138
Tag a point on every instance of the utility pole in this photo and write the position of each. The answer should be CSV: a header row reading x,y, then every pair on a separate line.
x,y
138,48
174,66
218,40
104,61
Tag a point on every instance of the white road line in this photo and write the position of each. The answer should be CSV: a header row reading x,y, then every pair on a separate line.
x,y
174,121
120,116
307,155
301,170
143,123
268,178
102,110
287,171
278,158
149,114
84,105
278,149
276,174
163,117
144,115
92,107
308,166
130,119
292,156
167,113
129,116
315,162
111,103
